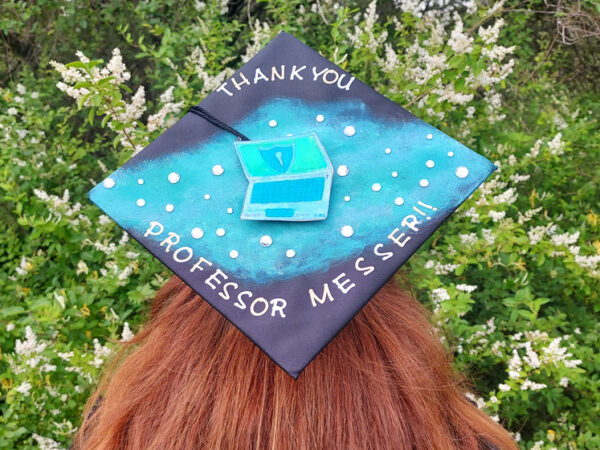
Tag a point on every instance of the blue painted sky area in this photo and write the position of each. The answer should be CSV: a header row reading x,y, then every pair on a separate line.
x,y
317,244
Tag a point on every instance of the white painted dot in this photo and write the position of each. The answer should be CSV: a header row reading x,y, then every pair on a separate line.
x,y
320,118
430,136
207,196
266,240
173,177
220,232
234,254
343,170
197,233
376,187
347,231
289,134
349,130
424,182
388,151
169,208
272,123
140,181
140,202
347,198
395,174
229,210
108,183
462,172
217,169
429,163
290,253
399,201
450,154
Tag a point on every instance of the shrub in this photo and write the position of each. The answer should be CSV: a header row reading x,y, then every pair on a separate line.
x,y
512,277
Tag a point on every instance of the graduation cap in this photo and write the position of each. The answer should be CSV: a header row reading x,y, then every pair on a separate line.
x,y
289,196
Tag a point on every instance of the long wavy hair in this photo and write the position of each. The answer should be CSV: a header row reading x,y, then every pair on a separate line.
x,y
190,379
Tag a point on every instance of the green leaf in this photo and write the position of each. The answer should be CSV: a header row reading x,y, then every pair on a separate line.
x,y
76,65
83,99
8,311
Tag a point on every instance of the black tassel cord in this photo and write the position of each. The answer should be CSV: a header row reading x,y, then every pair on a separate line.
x,y
201,112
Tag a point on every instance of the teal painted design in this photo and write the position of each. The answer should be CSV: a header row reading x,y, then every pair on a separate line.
x,y
317,245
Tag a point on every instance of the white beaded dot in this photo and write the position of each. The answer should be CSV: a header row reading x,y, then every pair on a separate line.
x,y
462,172
229,210
266,240
220,232
217,169
290,134
388,151
320,118
399,201
197,233
395,174
349,130
343,170
140,202
347,198
169,207
430,136
234,254
347,231
140,181
108,183
424,182
450,154
376,187
206,196
173,177
290,253
272,123
429,163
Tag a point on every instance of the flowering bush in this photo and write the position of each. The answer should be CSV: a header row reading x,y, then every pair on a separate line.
x,y
512,278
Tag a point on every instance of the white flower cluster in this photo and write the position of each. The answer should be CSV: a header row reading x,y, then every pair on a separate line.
x,y
100,353
471,213
439,268
209,82
556,145
496,215
466,287
468,239
545,354
116,70
588,262
364,35
260,33
459,41
157,121
58,205
126,334
24,266
479,340
426,65
46,443
410,6
439,295
28,355
30,345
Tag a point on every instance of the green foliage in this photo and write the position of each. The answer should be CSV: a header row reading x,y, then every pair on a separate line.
x,y
512,277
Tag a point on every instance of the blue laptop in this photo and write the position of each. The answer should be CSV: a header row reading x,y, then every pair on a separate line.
x,y
289,178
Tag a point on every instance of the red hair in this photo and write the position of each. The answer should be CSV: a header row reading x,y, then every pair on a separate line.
x,y
190,379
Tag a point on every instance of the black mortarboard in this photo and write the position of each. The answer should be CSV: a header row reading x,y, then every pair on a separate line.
x,y
289,196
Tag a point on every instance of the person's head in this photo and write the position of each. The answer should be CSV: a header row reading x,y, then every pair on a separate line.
x,y
190,379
